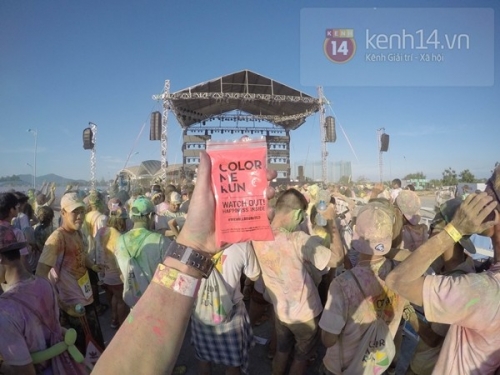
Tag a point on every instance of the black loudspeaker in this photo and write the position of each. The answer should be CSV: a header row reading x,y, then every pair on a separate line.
x,y
331,135
87,139
384,142
155,126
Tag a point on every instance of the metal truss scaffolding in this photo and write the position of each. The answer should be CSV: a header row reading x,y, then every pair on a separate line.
x,y
243,102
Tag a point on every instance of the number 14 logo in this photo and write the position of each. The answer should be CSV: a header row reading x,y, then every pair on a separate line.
x,y
339,45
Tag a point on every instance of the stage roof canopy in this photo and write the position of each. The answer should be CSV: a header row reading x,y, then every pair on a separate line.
x,y
152,168
146,169
251,96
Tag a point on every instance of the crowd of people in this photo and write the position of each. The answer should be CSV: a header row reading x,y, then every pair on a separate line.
x,y
343,277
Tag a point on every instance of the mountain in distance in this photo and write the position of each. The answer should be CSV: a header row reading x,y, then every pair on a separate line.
x,y
27,179
51,177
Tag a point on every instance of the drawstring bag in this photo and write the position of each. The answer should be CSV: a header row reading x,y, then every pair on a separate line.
x,y
214,303
376,349
136,283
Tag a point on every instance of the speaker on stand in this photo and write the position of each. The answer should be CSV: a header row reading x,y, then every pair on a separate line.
x,y
155,126
384,142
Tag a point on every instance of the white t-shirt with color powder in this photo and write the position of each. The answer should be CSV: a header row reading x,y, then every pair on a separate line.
x,y
237,259
290,286
349,314
471,304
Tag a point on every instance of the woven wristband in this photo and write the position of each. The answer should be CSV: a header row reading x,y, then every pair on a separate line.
x,y
177,281
453,232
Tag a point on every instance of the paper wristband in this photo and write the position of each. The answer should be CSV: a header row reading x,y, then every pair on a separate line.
x,y
177,281
453,232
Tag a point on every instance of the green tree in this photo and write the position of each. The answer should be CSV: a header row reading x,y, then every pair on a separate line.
x,y
449,177
415,176
466,176
11,178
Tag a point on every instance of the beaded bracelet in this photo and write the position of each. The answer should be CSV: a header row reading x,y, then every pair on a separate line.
x,y
453,232
177,281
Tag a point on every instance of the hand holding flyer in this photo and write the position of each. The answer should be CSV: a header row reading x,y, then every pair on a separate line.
x,y
239,184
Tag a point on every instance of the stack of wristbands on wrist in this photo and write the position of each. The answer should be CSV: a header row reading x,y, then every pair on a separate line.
x,y
176,281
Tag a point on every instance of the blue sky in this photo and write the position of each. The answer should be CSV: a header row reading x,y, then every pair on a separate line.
x,y
66,63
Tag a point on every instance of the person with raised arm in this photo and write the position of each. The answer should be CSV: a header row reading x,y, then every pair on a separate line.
x,y
468,302
150,339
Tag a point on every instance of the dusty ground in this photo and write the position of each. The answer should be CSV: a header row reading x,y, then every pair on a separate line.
x,y
259,363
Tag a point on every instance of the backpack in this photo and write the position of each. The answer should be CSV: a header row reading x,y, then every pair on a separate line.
x,y
136,282
214,303
376,349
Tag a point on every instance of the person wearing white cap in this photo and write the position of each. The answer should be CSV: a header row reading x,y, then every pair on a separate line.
x,y
414,233
64,261
345,322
